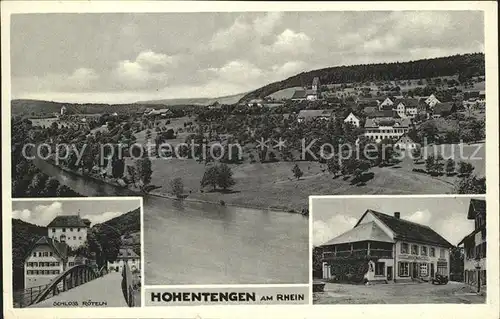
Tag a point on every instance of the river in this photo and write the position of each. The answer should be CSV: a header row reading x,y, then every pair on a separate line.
x,y
203,243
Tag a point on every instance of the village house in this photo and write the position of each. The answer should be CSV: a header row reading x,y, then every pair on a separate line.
x,y
352,119
164,113
126,255
386,104
432,100
474,245
312,94
405,143
69,229
383,248
309,115
406,108
46,260
443,109
378,129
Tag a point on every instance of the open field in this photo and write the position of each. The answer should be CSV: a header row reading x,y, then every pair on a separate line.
x,y
273,185
411,293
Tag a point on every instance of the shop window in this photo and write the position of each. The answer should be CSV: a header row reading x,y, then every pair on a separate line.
x,y
423,270
404,269
379,269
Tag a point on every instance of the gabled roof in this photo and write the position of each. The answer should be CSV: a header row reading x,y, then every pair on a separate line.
x,y
385,113
386,121
370,110
476,206
409,231
443,107
59,248
405,139
364,232
67,221
410,102
351,114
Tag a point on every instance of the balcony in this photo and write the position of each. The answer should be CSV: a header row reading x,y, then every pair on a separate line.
x,y
380,253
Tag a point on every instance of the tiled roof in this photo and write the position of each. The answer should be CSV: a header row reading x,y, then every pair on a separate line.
x,y
476,206
443,107
410,231
385,113
59,248
377,122
67,221
370,110
369,231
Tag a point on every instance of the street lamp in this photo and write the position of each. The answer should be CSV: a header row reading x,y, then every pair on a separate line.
x,y
477,264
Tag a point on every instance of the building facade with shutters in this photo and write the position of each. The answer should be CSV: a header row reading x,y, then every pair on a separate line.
x,y
474,245
126,255
70,229
386,248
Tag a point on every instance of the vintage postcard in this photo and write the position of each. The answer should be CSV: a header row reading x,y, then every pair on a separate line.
x,y
218,159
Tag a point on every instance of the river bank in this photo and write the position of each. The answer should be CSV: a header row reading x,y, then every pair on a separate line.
x,y
191,198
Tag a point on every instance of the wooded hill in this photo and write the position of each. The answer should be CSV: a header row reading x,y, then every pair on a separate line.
x,y
466,66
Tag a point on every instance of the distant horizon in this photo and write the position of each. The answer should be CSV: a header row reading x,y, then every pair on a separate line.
x,y
246,92
119,58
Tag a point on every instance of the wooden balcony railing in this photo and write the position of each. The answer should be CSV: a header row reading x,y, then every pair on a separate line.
x,y
381,253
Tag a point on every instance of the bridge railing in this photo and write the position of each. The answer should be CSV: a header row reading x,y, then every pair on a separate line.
x,y
25,297
71,278
128,285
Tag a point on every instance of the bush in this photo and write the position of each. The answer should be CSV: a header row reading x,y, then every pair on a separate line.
x,y
222,203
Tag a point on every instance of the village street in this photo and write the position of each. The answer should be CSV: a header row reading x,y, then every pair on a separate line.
x,y
408,293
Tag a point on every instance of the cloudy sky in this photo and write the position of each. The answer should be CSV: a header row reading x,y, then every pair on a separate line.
x,y
446,215
115,57
97,211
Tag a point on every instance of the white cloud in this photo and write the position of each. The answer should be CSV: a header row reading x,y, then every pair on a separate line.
x,y
421,217
331,228
83,78
290,41
265,25
227,38
24,214
100,218
40,214
149,70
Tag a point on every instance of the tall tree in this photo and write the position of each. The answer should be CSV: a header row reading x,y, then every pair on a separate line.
x,y
225,177
297,172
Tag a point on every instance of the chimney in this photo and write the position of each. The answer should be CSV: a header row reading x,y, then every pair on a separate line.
x,y
397,215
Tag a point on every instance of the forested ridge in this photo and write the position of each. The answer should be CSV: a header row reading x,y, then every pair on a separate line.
x,y
466,66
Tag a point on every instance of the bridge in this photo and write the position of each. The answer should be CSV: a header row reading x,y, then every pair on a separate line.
x,y
83,286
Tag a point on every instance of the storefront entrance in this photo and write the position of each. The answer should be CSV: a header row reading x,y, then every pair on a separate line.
x,y
414,270
389,272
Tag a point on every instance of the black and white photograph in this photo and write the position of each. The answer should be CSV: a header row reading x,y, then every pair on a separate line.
x,y
76,253
226,122
399,250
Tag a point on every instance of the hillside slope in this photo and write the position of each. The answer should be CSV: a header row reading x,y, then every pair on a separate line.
x,y
465,65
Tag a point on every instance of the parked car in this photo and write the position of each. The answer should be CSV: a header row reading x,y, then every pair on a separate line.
x,y
440,280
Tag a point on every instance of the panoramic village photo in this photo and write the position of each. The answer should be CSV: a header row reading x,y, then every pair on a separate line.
x,y
393,250
76,253
227,130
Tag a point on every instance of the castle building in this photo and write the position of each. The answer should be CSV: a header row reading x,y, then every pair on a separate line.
x,y
126,255
70,229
